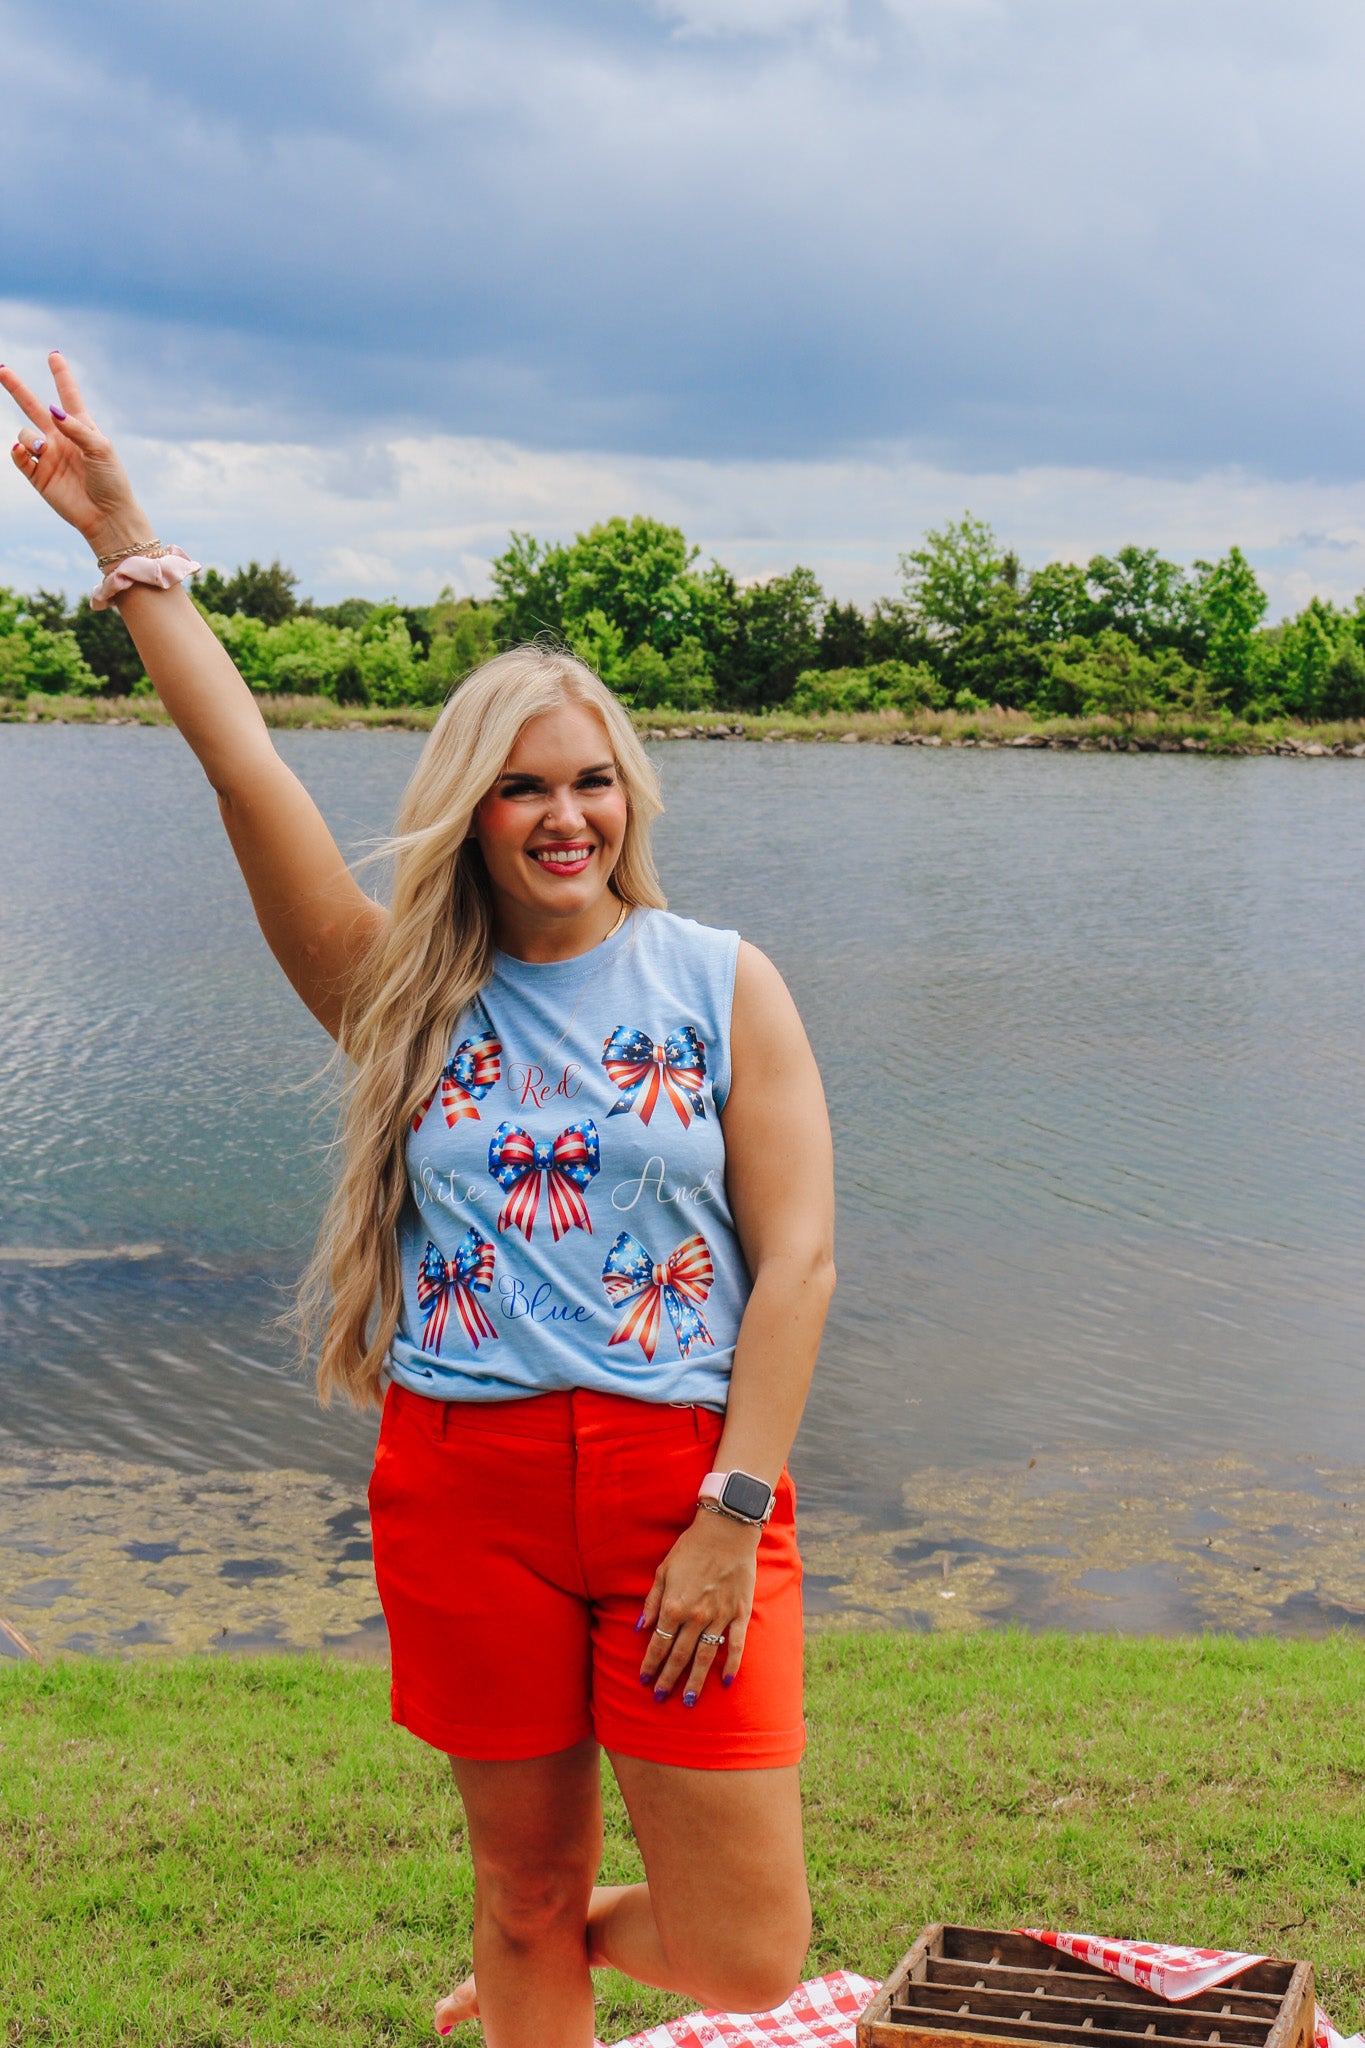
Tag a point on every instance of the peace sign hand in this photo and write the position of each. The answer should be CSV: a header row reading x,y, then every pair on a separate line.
x,y
71,464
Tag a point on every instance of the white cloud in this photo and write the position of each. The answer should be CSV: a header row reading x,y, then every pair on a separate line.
x,y
402,515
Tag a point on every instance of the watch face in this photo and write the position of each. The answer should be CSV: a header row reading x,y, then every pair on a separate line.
x,y
746,1496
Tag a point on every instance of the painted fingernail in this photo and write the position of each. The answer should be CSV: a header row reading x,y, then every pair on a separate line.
x,y
639,1624
660,1695
689,1699
39,445
728,1679
56,412
447,2030
645,1678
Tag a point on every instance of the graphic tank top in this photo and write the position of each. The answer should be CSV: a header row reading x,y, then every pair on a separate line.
x,y
567,1222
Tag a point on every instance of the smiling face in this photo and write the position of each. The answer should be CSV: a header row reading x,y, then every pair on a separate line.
x,y
552,826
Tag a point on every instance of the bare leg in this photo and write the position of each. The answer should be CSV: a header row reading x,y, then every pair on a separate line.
x,y
725,1916
535,1833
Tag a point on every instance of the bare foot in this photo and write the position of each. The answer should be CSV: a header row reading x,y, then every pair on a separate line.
x,y
462,2004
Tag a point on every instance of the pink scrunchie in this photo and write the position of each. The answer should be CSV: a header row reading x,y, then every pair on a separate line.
x,y
161,573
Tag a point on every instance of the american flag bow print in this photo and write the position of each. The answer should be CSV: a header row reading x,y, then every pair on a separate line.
x,y
643,1070
461,1280
678,1287
563,1165
473,1068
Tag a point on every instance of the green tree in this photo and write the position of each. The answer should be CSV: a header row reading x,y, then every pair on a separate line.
x,y
108,648
1056,602
635,573
1138,593
1110,676
266,594
462,635
775,635
34,657
950,580
599,642
529,580
843,637
1229,605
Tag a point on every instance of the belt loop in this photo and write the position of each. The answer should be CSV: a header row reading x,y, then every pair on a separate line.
x,y
445,1419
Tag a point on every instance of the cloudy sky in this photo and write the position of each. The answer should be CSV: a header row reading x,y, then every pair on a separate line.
x,y
365,285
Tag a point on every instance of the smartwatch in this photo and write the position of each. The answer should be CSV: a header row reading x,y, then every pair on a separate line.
x,y
738,1495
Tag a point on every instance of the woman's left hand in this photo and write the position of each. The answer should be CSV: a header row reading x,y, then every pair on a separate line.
x,y
704,1587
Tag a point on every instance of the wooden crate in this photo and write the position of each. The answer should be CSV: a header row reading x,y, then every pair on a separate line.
x,y
973,1987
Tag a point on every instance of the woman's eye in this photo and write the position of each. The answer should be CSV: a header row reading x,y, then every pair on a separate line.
x,y
596,782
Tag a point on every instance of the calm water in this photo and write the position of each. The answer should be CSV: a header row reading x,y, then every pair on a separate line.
x,y
1091,1028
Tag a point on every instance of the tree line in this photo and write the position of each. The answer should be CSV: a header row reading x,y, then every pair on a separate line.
x,y
969,626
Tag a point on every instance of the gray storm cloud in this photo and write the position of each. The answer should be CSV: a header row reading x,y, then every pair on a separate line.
x,y
1022,232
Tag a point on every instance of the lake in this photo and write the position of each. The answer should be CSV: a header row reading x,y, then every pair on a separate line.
x,y
1091,1029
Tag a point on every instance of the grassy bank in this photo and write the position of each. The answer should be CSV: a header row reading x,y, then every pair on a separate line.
x,y
217,1853
1169,732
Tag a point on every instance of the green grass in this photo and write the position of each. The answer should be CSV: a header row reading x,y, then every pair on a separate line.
x,y
1213,733
245,1852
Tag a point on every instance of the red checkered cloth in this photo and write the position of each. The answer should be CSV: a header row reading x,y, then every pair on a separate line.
x,y
821,2014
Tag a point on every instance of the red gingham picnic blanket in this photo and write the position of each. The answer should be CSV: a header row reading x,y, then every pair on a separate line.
x,y
821,2014
825,2012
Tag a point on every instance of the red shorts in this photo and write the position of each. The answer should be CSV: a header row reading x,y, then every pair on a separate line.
x,y
514,1545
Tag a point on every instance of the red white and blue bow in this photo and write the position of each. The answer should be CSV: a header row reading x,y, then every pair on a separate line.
x,y
473,1068
679,1286
640,1068
461,1280
564,1164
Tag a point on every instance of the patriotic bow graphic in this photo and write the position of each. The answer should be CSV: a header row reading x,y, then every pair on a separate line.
x,y
640,1068
463,1278
564,1164
635,1283
473,1068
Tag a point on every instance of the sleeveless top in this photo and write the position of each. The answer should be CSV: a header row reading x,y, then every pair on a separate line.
x,y
567,1222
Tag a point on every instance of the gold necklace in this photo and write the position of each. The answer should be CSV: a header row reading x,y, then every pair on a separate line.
x,y
624,914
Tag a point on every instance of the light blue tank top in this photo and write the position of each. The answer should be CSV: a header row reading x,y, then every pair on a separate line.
x,y
567,1222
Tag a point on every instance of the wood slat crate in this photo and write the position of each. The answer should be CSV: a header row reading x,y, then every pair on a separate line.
x,y
975,1987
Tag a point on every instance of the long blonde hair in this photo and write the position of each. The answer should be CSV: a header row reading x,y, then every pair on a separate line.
x,y
435,956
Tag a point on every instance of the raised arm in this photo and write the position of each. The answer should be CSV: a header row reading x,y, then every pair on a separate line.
x,y
317,921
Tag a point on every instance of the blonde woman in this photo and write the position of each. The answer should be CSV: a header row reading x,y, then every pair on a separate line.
x,y
580,1252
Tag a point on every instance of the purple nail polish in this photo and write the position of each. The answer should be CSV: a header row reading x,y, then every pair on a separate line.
x,y
639,1624
689,1699
659,1695
728,1679
39,444
56,412
645,1678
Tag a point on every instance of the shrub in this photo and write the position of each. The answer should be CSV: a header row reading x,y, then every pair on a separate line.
x,y
34,657
887,686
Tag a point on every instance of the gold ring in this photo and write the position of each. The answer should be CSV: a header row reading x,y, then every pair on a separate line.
x,y
664,1633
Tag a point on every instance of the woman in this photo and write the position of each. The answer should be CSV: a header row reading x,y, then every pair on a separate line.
x,y
580,1251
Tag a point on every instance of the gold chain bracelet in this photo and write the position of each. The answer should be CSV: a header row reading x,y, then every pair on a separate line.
x,y
152,548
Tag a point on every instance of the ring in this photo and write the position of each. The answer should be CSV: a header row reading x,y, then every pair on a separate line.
x,y
713,1640
665,1633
